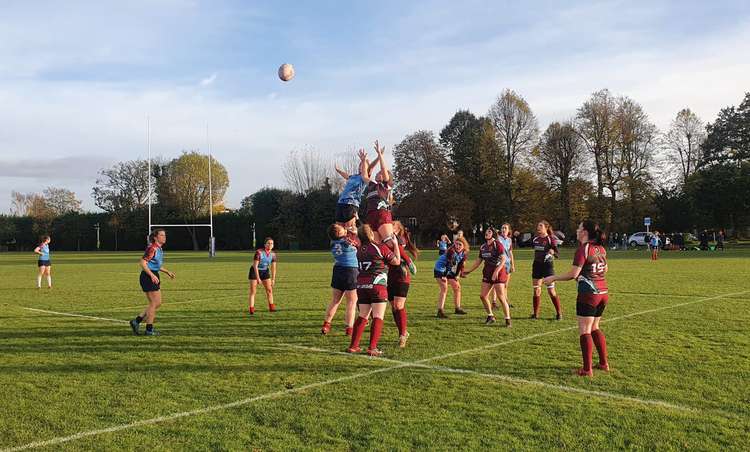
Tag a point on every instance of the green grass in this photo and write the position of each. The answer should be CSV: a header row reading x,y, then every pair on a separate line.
x,y
679,380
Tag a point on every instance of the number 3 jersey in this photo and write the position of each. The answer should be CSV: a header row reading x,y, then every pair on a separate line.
x,y
344,250
592,259
373,265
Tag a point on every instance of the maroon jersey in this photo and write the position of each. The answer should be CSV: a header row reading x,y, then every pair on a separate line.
x,y
377,195
400,273
542,245
492,253
373,265
593,262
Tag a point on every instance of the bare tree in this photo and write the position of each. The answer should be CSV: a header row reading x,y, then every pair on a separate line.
x,y
638,138
683,143
349,162
595,123
61,201
559,161
305,170
52,203
516,131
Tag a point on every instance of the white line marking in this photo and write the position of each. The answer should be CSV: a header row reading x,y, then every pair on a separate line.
x,y
209,409
310,386
90,317
534,336
507,378
167,304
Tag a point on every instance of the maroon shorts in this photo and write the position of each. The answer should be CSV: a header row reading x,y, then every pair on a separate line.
x,y
371,294
591,304
377,218
487,272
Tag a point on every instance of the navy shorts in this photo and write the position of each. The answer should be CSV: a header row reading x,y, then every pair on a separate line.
x,y
147,285
540,270
264,274
397,289
345,212
44,263
446,274
344,278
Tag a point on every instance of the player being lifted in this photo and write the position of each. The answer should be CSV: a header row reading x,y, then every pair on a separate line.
x,y
545,251
351,196
379,196
152,263
589,269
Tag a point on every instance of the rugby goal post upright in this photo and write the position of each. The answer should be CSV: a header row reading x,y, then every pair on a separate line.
x,y
210,224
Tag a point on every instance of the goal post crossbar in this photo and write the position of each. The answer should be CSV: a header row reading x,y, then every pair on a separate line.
x,y
211,239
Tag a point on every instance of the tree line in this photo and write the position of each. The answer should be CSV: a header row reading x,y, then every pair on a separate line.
x,y
608,162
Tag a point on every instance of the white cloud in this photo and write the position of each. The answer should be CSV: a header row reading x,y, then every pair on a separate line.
x,y
209,80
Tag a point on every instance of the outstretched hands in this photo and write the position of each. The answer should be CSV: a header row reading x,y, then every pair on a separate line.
x,y
380,150
362,154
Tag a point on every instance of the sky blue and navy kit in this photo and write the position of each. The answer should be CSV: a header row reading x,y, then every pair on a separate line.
x,y
265,259
346,266
154,257
350,198
44,260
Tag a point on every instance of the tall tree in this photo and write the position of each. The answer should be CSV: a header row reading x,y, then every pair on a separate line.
x,y
559,160
475,160
123,187
637,141
61,201
305,170
183,186
422,175
517,131
595,122
728,138
683,143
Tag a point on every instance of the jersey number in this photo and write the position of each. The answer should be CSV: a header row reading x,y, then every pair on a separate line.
x,y
364,266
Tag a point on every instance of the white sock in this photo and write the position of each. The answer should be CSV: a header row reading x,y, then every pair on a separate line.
x,y
49,281
39,282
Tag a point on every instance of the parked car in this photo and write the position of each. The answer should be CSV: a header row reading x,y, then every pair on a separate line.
x,y
639,239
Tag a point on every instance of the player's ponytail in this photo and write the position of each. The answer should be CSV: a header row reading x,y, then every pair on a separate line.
x,y
596,235
410,246
366,236
548,226
154,233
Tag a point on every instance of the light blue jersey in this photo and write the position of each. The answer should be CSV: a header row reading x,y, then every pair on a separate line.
x,y
655,242
44,249
264,259
154,256
507,246
344,253
353,190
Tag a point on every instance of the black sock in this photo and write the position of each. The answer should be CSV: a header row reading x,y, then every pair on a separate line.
x,y
138,319
149,327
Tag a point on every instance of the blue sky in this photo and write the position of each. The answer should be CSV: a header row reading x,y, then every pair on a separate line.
x,y
77,81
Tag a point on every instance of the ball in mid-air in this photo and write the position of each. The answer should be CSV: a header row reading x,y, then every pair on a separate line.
x,y
286,72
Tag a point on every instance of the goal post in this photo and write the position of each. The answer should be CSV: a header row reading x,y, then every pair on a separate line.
x,y
210,224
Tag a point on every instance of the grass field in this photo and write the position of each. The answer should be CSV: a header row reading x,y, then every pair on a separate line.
x,y
217,379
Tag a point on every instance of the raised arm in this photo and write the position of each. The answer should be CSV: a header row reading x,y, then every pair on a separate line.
x,y
364,167
341,172
381,160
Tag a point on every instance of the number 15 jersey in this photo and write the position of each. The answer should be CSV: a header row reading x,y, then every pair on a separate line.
x,y
592,259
